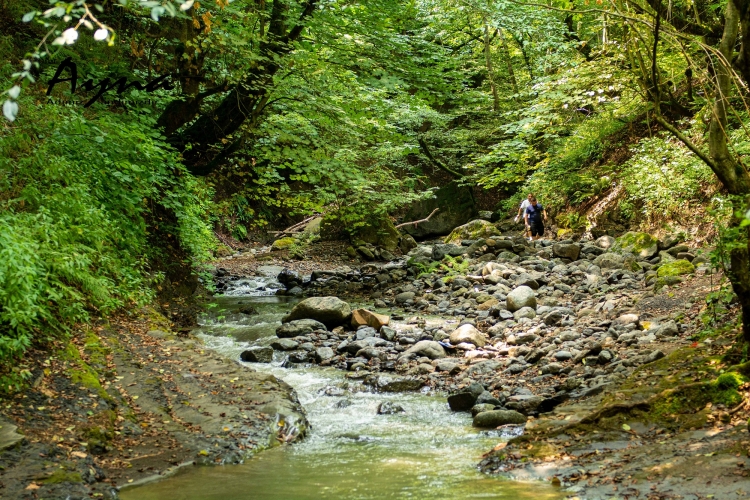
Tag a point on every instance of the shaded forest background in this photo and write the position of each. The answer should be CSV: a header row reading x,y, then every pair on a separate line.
x,y
615,114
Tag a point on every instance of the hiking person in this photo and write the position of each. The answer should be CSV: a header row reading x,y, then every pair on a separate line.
x,y
522,211
534,217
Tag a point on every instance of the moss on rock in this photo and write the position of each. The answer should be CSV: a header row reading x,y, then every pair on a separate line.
x,y
642,245
676,268
282,243
380,233
474,230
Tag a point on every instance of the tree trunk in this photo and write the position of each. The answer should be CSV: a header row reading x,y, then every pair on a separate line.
x,y
245,101
490,72
508,61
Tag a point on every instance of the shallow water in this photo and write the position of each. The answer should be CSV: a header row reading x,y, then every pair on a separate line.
x,y
427,452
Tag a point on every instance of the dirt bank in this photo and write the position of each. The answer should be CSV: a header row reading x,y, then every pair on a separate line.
x,y
129,400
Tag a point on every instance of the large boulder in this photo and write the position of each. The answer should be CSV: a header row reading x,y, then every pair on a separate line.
x,y
496,418
522,296
475,230
298,327
642,245
566,250
456,204
331,311
363,317
467,334
379,232
428,348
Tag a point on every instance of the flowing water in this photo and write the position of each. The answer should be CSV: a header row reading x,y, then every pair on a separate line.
x,y
428,452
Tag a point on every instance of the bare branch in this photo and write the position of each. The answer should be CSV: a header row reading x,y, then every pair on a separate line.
x,y
414,223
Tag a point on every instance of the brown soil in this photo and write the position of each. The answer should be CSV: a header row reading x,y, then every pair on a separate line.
x,y
129,401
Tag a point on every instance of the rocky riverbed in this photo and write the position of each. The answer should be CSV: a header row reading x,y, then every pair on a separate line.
x,y
547,335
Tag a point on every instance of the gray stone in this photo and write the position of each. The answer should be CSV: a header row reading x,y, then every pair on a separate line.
x,y
563,355
469,334
441,250
298,328
331,311
522,296
524,312
389,408
386,384
324,354
404,297
481,407
609,261
496,418
448,366
427,348
566,250
387,333
284,344
257,354
605,242
464,399
366,332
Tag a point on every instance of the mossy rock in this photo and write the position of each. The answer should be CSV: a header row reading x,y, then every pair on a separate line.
x,y
283,243
381,233
642,245
676,268
666,281
563,234
474,230
63,476
223,250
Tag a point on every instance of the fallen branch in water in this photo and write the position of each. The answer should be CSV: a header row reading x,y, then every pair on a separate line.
x,y
414,223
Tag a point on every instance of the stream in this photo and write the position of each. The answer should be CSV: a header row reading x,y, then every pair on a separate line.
x,y
427,452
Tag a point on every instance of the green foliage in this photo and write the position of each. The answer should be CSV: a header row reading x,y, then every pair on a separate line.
x,y
662,178
77,195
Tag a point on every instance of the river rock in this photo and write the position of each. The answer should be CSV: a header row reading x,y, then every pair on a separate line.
x,y
609,260
522,296
428,348
605,242
389,408
524,312
394,384
331,311
496,418
324,354
440,251
566,250
257,354
481,407
464,399
363,317
284,344
467,334
298,328
404,297
474,230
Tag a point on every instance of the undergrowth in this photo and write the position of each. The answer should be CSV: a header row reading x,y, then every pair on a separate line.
x,y
76,194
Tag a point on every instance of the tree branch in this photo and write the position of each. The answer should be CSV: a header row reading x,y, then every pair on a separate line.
x,y
441,166
414,223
